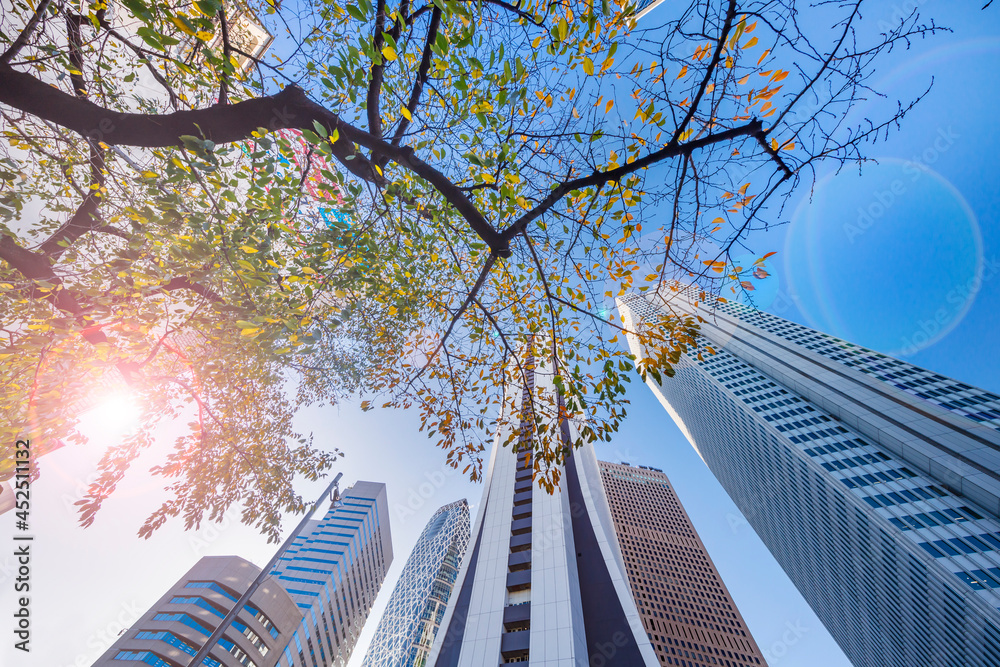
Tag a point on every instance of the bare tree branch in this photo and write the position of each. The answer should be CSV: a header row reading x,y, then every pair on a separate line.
x,y
23,37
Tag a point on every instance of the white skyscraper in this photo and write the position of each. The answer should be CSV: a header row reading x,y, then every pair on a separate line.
x,y
544,580
874,483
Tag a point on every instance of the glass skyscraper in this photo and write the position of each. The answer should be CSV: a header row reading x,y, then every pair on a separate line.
x,y
874,483
172,631
417,605
333,571
307,613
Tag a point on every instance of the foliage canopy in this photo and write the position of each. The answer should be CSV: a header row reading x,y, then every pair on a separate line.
x,y
395,200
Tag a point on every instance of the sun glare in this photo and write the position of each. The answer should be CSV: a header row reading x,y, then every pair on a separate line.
x,y
117,413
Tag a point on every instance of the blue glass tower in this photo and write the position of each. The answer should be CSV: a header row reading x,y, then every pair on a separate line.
x,y
411,620
874,483
333,571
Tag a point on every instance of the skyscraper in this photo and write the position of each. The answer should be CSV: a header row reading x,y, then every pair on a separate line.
x,y
685,607
307,613
177,625
544,581
874,483
417,605
333,571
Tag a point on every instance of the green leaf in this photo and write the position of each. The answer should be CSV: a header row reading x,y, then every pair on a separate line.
x,y
209,7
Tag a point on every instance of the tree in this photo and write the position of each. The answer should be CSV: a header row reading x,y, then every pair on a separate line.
x,y
397,200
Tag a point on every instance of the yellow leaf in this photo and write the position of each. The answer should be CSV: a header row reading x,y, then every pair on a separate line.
x,y
588,65
182,25
406,113
536,41
751,42
249,249
610,104
774,144
308,271
388,53
789,146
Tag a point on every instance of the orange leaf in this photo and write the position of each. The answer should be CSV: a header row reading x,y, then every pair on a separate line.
x,y
762,56
750,43
744,80
684,70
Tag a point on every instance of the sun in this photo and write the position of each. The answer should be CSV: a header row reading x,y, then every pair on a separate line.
x,y
117,413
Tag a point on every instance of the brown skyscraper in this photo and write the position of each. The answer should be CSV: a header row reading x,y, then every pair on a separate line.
x,y
685,608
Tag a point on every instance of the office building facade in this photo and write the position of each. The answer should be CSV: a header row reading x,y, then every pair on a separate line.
x,y
417,606
543,582
333,571
179,623
874,483
684,605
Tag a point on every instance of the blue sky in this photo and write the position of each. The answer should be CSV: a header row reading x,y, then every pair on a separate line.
x,y
920,280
